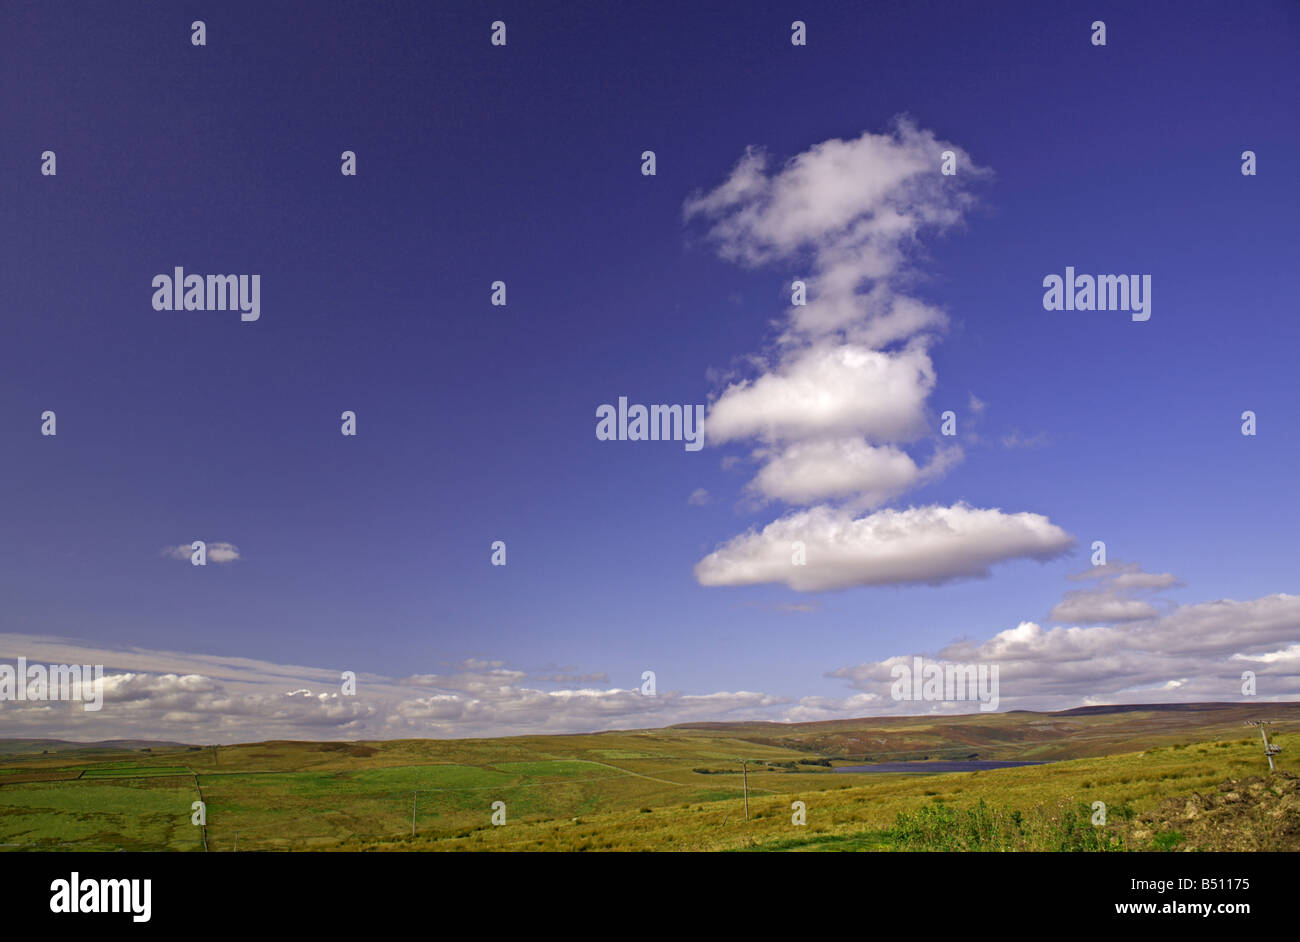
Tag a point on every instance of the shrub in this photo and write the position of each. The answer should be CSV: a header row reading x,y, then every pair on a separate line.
x,y
1167,840
989,828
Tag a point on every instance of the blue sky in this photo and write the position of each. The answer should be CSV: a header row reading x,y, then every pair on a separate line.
x,y
476,423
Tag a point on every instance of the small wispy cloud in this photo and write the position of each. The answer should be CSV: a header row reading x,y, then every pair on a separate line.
x,y
1119,595
1014,439
785,608
216,552
596,677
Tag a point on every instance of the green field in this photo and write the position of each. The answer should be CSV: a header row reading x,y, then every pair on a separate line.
x,y
1189,778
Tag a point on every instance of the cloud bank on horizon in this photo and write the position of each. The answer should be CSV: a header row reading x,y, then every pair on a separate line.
x,y
1189,653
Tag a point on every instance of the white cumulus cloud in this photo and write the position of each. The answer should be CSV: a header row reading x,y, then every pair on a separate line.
x,y
929,545
845,390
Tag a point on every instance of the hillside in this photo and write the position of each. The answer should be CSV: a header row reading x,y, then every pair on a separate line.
x,y
676,788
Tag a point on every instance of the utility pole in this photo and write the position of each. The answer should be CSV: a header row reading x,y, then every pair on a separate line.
x,y
744,768
1270,750
236,842
415,796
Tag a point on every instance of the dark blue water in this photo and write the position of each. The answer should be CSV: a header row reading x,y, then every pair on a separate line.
x,y
964,765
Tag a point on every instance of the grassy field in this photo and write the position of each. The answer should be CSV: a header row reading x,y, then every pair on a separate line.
x,y
1191,778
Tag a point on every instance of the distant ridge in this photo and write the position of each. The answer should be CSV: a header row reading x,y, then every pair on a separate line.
x,y
1007,734
1156,707
32,745
1098,710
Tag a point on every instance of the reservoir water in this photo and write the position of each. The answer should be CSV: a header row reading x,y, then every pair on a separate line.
x,y
962,765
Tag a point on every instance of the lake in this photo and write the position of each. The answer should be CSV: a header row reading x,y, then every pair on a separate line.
x,y
962,765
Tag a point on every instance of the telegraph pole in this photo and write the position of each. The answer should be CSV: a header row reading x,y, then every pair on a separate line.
x,y
415,797
1270,750
744,769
